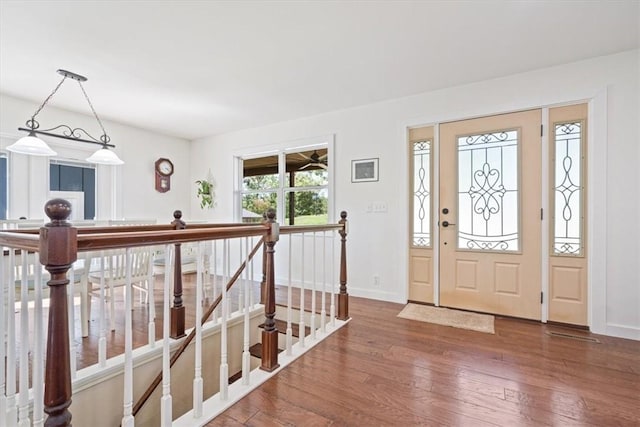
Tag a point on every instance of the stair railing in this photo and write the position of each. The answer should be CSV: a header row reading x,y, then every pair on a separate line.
x,y
203,319
58,244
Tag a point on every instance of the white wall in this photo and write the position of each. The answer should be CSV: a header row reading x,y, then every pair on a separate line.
x,y
126,191
378,241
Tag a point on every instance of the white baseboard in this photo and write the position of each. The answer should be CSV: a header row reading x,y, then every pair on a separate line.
x,y
375,294
623,331
354,291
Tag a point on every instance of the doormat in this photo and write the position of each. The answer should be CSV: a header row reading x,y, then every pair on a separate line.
x,y
446,317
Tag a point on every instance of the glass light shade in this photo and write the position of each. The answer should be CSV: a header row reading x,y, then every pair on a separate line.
x,y
32,146
104,156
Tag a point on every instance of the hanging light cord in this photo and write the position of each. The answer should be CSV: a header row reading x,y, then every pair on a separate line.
x,y
33,124
104,138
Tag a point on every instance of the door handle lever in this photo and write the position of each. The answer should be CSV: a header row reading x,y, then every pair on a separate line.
x,y
447,223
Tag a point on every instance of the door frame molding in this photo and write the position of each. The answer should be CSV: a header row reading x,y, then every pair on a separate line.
x,y
435,242
596,192
545,224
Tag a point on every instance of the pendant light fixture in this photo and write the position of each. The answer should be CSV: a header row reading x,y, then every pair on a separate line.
x,y
34,146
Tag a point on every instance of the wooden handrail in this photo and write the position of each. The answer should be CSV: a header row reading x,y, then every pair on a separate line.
x,y
93,242
132,228
185,343
20,241
294,229
99,238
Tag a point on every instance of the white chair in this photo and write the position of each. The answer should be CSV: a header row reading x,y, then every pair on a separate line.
x,y
14,224
115,275
188,258
24,274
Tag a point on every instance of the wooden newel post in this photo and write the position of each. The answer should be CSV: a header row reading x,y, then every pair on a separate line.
x,y
270,333
343,296
177,310
58,251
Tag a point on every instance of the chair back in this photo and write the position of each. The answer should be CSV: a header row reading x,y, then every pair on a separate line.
x,y
116,265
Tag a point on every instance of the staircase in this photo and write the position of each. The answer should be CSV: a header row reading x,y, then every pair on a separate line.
x,y
237,389
197,388
281,326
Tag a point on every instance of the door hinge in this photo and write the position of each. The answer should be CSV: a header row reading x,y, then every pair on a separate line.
x,y
541,214
541,297
541,130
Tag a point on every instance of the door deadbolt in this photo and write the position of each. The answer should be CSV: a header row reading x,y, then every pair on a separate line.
x,y
445,211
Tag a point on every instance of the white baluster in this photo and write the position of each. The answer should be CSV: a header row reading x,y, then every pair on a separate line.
x,y
151,285
38,355
301,327
289,335
166,417
251,298
197,380
4,312
23,396
214,317
313,290
224,367
127,417
228,269
12,413
102,341
246,356
323,309
115,270
241,289
72,321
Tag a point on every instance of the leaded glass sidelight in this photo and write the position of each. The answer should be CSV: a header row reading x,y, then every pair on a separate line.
x,y
488,207
422,193
567,225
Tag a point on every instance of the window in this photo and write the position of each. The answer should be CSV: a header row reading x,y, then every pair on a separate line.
x,y
260,183
295,182
421,189
568,188
488,191
64,176
4,185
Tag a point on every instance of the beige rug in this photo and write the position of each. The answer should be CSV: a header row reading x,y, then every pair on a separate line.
x,y
447,317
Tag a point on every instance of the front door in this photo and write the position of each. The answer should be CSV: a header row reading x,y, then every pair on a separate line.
x,y
490,214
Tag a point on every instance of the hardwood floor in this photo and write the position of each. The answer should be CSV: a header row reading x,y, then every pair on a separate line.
x,y
383,370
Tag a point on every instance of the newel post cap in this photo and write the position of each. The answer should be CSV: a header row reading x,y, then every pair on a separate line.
x,y
58,240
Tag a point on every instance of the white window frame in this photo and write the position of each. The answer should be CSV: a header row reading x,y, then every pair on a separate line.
x,y
281,150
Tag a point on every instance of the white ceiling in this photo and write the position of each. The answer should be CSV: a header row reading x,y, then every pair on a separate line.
x,y
198,68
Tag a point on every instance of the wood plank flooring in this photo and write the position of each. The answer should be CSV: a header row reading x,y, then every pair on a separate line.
x,y
381,370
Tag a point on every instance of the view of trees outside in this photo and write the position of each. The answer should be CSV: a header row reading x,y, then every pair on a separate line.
x,y
310,204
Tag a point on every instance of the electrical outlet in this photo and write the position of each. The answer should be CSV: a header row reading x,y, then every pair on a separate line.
x,y
376,281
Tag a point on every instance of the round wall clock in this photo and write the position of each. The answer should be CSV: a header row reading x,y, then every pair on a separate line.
x,y
164,170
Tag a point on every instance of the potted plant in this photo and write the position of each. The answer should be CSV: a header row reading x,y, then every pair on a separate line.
x,y
205,192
